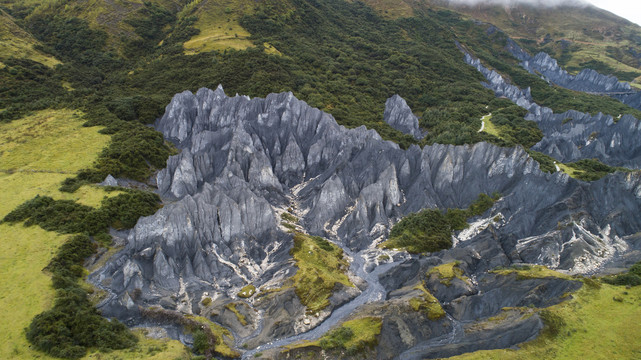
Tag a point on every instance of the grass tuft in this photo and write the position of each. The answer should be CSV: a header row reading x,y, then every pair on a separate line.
x,y
320,267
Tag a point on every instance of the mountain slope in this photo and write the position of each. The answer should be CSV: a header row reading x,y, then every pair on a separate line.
x,y
579,35
275,202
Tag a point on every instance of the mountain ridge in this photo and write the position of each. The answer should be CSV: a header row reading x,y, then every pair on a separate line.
x,y
338,139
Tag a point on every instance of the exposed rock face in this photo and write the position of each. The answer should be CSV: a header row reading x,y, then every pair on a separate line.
x,y
587,80
573,135
399,116
243,160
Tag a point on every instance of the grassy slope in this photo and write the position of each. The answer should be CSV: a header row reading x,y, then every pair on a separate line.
x,y
597,327
18,43
318,271
365,331
590,30
219,27
33,143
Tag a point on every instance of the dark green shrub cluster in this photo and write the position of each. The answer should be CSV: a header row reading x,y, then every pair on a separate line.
x,y
430,230
630,278
546,162
28,86
202,343
323,243
149,23
73,324
68,217
63,216
134,152
347,60
592,169
336,338
553,323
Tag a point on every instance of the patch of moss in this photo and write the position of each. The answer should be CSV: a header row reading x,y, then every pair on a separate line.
x,y
430,230
241,318
320,267
351,338
247,291
427,304
289,218
206,301
223,336
447,272
530,272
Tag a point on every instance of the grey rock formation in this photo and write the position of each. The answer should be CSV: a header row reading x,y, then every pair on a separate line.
x,y
572,135
399,116
587,80
243,161
109,181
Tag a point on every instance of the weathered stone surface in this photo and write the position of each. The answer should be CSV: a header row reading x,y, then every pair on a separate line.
x,y
399,116
572,135
244,160
587,80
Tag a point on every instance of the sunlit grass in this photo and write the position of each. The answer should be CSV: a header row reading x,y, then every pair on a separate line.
x,y
489,127
15,42
25,290
219,27
365,333
599,324
51,140
320,266
532,272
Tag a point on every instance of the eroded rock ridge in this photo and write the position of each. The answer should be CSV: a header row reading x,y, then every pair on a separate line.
x,y
244,161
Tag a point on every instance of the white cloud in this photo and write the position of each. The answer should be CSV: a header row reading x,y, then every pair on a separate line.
x,y
630,10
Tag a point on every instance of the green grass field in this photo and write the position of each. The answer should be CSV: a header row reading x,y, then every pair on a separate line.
x,y
15,42
36,154
599,324
489,127
320,266
219,27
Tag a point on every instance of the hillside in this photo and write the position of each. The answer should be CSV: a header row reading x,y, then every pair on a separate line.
x,y
391,180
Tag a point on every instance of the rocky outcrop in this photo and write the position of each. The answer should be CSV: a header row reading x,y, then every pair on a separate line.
x,y
587,80
244,161
572,135
399,116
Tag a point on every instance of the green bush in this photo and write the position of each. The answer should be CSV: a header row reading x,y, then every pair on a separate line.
x,y
68,217
592,169
202,344
336,338
74,324
627,279
553,323
430,230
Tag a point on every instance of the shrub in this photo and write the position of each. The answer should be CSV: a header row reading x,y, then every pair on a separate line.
x,y
430,230
627,279
553,323
202,343
337,338
206,301
74,324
